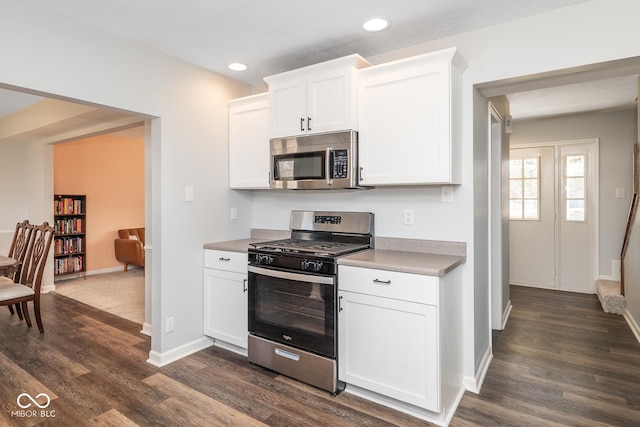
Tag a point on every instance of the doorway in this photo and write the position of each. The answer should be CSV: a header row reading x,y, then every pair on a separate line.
x,y
553,200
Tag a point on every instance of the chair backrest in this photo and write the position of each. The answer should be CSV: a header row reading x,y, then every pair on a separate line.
x,y
20,245
36,258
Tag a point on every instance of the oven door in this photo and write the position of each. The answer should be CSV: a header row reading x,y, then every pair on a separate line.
x,y
295,309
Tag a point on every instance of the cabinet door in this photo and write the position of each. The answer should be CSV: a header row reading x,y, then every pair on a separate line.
x,y
331,101
404,119
225,309
249,142
389,347
288,105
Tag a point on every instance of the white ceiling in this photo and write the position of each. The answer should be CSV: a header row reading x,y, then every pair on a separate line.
x,y
272,36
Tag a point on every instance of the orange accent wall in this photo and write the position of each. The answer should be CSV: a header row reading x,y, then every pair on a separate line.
x,y
109,169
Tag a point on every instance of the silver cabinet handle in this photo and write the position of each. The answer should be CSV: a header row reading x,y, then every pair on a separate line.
x,y
340,303
224,259
383,282
301,124
308,123
244,285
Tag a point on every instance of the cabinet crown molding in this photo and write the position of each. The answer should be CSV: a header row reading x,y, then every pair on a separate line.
x,y
355,61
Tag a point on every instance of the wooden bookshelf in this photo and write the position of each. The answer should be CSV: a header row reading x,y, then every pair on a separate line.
x,y
70,240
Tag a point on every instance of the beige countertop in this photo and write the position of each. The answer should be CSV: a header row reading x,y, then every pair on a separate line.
x,y
428,257
241,245
406,262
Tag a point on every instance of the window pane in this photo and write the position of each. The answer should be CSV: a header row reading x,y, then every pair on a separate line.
x,y
515,209
575,188
530,189
531,209
515,189
575,210
530,168
575,165
515,168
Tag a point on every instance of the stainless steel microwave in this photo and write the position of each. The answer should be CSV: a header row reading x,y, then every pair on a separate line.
x,y
325,161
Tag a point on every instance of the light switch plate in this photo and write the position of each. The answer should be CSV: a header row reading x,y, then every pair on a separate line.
x,y
621,192
188,193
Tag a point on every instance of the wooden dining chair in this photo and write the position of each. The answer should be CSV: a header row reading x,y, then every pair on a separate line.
x,y
18,251
27,288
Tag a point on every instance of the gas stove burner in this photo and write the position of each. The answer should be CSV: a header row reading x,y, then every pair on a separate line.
x,y
310,246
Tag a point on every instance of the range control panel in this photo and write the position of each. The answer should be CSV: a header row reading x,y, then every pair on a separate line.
x,y
328,219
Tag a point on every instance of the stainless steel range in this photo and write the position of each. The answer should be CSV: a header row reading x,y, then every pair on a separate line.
x,y
293,293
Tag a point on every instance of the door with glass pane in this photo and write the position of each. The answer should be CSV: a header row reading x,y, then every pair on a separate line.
x,y
553,216
577,242
532,217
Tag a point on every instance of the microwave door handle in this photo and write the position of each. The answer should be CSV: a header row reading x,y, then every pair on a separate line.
x,y
327,167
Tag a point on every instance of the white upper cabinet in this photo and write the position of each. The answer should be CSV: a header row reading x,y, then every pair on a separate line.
x,y
315,99
409,121
249,142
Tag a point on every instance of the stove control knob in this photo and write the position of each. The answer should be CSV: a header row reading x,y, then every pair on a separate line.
x,y
311,265
265,259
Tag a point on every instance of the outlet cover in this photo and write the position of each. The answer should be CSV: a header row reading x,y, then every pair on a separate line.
x,y
408,217
446,193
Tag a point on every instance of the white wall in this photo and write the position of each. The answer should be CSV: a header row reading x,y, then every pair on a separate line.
x,y
587,33
13,192
56,56
632,266
617,132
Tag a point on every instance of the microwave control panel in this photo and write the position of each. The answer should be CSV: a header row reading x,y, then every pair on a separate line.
x,y
340,164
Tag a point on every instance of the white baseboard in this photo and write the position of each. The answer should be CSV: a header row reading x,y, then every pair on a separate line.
x,y
635,328
146,329
475,384
505,315
161,359
47,289
423,414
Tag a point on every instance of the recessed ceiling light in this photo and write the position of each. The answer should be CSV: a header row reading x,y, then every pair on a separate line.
x,y
376,24
236,66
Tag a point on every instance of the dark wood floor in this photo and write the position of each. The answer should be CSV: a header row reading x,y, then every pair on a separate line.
x,y
560,361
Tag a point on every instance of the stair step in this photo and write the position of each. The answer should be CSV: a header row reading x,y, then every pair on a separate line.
x,y
609,296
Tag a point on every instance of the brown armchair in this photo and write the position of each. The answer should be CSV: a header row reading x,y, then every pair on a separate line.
x,y
129,247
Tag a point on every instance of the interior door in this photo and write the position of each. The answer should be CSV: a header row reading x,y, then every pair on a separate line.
x,y
553,212
577,257
532,217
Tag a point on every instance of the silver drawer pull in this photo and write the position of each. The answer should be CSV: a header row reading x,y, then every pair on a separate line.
x,y
384,282
287,354
224,259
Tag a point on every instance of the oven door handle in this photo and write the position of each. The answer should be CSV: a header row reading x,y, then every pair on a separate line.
x,y
300,277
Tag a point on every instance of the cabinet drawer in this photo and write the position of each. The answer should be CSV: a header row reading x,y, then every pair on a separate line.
x,y
228,261
389,284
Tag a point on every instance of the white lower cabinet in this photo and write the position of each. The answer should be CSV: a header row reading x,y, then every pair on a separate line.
x,y
225,298
390,339
390,347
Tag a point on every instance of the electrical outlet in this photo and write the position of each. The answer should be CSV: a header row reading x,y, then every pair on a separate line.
x,y
408,217
169,325
446,193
